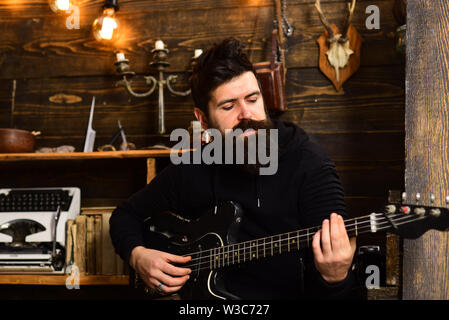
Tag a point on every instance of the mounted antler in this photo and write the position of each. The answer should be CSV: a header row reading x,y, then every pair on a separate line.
x,y
324,20
337,45
351,8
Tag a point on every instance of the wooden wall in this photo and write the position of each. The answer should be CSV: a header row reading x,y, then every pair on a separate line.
x,y
56,71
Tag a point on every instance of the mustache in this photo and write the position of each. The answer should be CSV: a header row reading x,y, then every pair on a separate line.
x,y
246,124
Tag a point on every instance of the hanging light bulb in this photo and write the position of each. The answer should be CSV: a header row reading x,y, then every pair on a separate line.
x,y
106,27
60,5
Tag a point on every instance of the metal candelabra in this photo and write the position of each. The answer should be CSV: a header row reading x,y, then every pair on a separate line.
x,y
160,55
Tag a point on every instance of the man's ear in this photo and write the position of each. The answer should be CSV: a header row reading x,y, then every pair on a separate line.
x,y
201,117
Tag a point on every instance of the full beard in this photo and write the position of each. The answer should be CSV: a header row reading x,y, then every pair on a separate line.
x,y
251,139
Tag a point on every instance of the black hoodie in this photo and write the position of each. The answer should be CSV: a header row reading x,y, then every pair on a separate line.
x,y
302,193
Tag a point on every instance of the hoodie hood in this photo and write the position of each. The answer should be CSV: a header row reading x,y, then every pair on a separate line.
x,y
290,137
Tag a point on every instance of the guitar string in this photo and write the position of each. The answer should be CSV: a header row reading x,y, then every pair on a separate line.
x,y
208,263
310,231
359,226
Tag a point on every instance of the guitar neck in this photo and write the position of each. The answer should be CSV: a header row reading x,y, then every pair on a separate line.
x,y
243,252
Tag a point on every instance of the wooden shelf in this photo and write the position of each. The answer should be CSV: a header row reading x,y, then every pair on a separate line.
x,y
59,280
84,155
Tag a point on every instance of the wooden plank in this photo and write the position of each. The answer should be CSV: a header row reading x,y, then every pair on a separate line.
x,y
39,8
59,280
426,259
372,101
374,179
362,146
84,155
36,46
94,177
385,293
5,102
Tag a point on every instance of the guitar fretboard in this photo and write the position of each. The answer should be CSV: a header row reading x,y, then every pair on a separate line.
x,y
243,252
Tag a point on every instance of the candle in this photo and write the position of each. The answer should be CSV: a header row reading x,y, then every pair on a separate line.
x,y
159,45
198,52
120,56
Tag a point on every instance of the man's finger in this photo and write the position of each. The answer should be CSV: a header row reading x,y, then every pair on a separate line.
x,y
339,237
177,259
171,281
353,242
175,271
168,290
343,230
325,238
335,230
316,246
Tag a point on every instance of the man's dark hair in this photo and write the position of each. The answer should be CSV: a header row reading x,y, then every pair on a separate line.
x,y
217,65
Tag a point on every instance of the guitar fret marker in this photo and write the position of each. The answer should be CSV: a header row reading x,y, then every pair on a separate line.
x,y
244,252
210,254
307,236
257,249
238,253
264,252
250,255
298,239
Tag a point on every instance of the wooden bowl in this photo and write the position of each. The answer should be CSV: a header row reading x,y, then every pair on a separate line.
x,y
16,141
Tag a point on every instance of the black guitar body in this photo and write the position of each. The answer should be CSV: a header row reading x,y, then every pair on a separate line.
x,y
171,233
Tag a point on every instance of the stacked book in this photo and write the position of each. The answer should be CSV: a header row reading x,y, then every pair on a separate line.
x,y
89,244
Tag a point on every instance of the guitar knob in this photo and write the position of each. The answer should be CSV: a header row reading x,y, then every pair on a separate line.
x,y
238,220
432,198
405,210
390,209
404,196
418,197
435,213
420,211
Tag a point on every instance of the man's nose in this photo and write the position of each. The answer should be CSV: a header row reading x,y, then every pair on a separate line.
x,y
245,112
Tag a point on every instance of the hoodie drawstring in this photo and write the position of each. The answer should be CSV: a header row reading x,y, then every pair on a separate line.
x,y
256,180
214,193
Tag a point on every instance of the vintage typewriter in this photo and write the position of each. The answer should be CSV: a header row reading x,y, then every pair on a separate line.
x,y
32,228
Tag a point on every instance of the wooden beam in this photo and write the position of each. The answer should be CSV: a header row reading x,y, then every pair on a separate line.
x,y
426,260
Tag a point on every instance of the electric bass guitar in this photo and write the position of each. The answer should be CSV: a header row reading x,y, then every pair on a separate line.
x,y
216,249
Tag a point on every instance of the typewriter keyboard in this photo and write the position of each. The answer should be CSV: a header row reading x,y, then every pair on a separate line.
x,y
35,200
